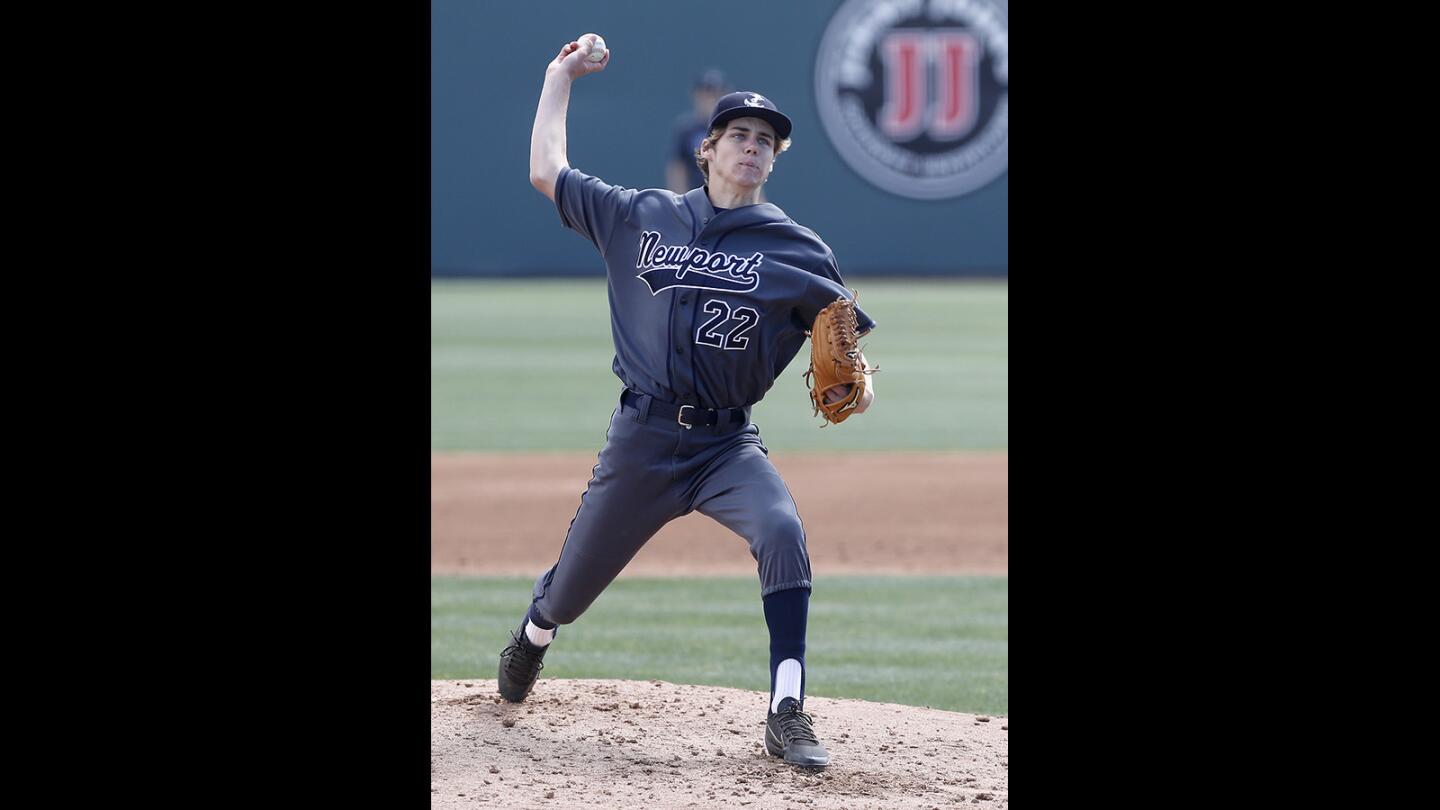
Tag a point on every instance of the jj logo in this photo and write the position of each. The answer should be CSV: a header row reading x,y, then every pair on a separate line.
x,y
947,60
915,94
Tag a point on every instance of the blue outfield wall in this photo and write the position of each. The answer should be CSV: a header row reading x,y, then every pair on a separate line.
x,y
487,66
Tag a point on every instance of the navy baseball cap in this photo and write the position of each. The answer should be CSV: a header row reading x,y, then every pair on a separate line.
x,y
749,104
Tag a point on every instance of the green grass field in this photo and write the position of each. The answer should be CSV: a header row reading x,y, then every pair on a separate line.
x,y
521,365
924,641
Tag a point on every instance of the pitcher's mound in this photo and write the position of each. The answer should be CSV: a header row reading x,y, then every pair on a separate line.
x,y
650,744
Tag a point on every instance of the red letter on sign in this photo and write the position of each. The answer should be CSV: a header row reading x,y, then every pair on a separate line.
x,y
905,59
957,94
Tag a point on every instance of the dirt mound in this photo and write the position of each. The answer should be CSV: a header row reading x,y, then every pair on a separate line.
x,y
611,743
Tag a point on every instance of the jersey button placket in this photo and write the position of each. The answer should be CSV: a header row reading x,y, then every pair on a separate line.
x,y
684,334
683,328
679,337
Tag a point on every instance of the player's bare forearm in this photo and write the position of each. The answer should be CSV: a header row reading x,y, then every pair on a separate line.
x,y
547,138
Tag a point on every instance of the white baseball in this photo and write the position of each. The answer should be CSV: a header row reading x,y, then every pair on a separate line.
x,y
597,49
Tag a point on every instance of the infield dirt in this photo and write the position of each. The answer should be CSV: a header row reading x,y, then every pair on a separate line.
x,y
873,513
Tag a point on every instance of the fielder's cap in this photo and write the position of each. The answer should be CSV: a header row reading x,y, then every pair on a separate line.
x,y
749,104
712,79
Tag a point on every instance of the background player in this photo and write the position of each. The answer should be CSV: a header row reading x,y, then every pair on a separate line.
x,y
710,296
681,173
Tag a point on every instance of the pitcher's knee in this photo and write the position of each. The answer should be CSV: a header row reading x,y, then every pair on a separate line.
x,y
780,534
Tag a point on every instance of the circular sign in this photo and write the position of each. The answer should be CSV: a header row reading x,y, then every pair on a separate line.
x,y
914,94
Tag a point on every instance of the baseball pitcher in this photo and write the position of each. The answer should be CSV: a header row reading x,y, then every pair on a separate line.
x,y
712,294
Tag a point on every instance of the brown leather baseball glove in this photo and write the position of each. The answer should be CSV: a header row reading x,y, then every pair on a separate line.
x,y
835,362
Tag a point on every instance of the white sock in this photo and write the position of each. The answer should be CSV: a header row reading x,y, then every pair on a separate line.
x,y
540,637
787,682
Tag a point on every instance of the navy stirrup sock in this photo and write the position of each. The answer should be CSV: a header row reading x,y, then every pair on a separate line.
x,y
534,638
534,617
786,614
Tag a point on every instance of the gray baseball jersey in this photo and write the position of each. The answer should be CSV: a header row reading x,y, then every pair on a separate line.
x,y
705,308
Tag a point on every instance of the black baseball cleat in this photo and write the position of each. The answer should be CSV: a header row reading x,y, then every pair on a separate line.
x,y
520,665
789,734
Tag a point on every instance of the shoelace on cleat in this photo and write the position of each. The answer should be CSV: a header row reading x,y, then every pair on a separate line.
x,y
797,727
523,663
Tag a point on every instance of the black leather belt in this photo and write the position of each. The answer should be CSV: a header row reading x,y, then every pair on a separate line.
x,y
687,415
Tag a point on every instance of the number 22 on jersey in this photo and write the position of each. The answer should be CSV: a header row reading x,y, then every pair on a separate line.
x,y
726,330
